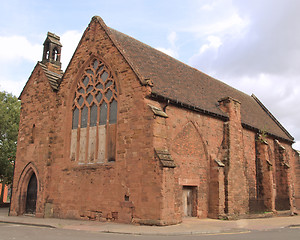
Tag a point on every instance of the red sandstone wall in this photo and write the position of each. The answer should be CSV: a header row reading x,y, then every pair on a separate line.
x,y
249,153
236,191
271,181
192,139
125,190
34,148
98,191
292,180
195,141
297,180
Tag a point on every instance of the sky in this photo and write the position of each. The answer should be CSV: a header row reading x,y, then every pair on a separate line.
x,y
252,45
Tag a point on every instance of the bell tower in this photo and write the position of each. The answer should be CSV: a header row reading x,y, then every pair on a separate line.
x,y
52,51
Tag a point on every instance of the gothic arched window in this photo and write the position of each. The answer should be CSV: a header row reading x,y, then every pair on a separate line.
x,y
94,116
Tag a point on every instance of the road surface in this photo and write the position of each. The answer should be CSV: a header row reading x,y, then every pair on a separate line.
x,y
23,232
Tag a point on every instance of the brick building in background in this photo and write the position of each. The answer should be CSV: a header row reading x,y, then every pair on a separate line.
x,y
130,134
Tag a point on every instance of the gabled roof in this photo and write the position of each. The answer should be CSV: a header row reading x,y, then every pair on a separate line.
x,y
176,81
179,83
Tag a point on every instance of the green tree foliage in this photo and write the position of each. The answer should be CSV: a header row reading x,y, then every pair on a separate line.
x,y
9,125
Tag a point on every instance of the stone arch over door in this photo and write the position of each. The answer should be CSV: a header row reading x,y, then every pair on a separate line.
x,y
31,195
28,181
190,153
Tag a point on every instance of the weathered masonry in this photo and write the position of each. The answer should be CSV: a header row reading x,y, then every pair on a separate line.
x,y
130,134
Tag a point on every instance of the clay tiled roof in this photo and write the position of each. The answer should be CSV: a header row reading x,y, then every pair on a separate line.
x,y
53,78
190,87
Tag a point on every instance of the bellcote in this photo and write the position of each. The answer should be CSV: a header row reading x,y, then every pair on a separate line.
x,y
52,50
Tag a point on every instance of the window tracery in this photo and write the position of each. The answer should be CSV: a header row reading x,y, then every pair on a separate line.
x,y
94,116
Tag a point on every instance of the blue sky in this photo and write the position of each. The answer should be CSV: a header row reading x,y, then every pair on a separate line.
x,y
252,45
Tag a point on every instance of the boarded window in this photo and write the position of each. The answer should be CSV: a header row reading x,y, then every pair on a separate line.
x,y
95,114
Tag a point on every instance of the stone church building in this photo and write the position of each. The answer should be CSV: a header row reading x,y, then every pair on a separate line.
x,y
130,134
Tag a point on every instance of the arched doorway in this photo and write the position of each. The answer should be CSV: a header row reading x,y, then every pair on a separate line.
x,y
31,195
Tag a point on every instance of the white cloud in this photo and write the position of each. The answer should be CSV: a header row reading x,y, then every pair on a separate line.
x,y
172,50
208,7
279,93
223,26
18,56
172,38
213,43
69,40
168,51
215,17
18,47
14,86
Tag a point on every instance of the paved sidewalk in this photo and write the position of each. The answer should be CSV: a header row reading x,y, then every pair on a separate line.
x,y
187,227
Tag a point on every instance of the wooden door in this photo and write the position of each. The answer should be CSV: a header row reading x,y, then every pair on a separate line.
x,y
187,198
31,195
